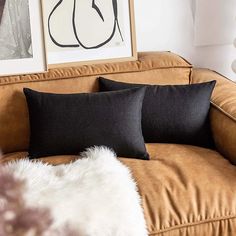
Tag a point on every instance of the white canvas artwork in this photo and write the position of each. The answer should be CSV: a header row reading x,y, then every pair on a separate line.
x,y
21,37
87,30
214,22
15,33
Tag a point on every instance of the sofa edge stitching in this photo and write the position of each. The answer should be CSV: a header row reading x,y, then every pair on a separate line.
x,y
95,74
187,225
223,111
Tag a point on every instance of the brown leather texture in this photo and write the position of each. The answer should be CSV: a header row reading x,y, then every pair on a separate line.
x,y
185,190
223,111
146,61
224,132
152,68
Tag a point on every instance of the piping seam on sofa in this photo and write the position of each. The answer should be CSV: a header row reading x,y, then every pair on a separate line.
x,y
37,79
230,217
223,111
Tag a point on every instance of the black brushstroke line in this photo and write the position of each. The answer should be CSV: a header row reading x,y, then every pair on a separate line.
x,y
92,47
115,9
49,29
116,24
98,10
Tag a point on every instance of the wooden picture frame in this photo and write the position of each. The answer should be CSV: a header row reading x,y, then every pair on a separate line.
x,y
22,49
106,34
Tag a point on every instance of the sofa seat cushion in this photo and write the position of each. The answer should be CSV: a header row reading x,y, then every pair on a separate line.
x,y
185,190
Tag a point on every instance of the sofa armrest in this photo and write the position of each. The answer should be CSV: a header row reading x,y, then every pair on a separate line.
x,y
223,111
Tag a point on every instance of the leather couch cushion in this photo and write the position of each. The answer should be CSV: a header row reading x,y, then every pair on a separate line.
x,y
185,190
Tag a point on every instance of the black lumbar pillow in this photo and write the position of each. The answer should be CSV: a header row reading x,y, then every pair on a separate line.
x,y
67,124
173,113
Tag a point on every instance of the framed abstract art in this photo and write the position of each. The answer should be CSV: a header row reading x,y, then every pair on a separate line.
x,y
22,48
88,31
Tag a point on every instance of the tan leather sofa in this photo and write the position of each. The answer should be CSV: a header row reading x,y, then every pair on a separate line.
x,y
186,190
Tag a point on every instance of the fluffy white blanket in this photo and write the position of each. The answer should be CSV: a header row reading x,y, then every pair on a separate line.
x,y
95,195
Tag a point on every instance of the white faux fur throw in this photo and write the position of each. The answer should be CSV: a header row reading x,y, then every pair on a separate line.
x,y
95,195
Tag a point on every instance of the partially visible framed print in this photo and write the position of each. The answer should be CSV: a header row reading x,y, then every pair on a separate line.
x,y
88,31
22,48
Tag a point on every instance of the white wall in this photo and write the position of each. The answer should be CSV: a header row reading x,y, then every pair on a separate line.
x,y
167,25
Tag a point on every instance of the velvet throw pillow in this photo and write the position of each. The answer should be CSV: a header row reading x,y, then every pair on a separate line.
x,y
67,124
173,113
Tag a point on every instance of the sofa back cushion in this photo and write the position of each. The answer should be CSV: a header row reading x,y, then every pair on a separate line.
x,y
151,68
